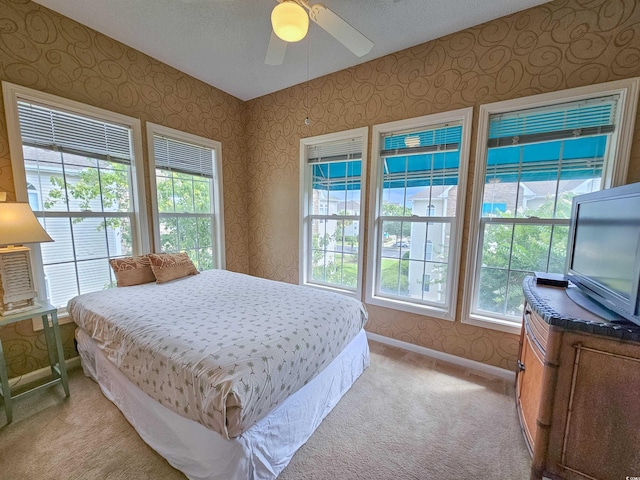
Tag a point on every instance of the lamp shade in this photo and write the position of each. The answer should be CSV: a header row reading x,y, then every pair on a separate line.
x,y
290,21
19,225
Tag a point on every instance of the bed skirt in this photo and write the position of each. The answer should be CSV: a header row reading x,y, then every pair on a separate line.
x,y
261,452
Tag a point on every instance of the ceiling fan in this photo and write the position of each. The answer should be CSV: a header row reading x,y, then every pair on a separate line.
x,y
290,21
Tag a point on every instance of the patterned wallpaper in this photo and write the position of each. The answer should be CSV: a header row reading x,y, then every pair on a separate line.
x,y
563,44
559,45
46,51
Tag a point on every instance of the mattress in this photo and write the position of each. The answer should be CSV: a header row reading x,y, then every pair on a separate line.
x,y
261,452
220,348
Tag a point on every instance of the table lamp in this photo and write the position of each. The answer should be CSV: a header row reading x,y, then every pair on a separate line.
x,y
18,225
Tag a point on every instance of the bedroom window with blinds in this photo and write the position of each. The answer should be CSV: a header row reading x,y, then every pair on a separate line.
x,y
535,160
188,199
331,192
75,165
420,166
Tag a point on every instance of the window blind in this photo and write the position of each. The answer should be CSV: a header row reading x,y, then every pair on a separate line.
x,y
422,158
349,149
564,121
438,139
171,154
336,165
57,130
567,141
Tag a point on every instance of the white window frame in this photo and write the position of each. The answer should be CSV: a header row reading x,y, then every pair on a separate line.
x,y
139,226
448,311
614,173
306,190
217,208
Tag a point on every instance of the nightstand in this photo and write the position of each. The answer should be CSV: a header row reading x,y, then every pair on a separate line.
x,y
54,348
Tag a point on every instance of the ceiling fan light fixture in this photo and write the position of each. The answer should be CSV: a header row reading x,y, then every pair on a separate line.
x,y
290,21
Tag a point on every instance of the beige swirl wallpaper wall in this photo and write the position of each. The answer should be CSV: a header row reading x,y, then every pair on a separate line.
x,y
46,51
559,45
562,44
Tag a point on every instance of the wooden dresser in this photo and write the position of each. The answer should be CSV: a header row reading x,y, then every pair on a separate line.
x,y
577,389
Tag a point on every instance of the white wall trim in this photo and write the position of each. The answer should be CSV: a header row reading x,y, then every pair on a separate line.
x,y
373,295
217,194
447,357
41,374
614,174
306,190
12,93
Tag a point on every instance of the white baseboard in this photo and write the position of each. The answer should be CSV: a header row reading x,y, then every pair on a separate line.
x,y
447,357
41,373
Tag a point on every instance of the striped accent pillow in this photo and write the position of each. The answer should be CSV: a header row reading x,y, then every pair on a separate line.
x,y
171,266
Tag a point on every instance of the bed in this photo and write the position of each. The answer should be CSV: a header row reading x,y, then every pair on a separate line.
x,y
225,375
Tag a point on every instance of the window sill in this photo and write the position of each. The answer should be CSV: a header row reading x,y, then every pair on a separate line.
x,y
425,310
327,288
493,324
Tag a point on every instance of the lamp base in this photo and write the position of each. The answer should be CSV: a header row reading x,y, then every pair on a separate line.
x,y
17,292
18,307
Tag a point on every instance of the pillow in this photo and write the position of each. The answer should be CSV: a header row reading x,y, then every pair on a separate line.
x,y
171,266
132,270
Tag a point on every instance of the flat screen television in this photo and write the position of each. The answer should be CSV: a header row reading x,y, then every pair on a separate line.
x,y
604,252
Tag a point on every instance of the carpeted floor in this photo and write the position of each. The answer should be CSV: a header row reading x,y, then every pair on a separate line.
x,y
407,417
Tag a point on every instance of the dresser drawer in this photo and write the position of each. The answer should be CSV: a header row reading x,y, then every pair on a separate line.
x,y
538,328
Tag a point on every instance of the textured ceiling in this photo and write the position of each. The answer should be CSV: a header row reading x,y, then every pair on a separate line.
x,y
223,42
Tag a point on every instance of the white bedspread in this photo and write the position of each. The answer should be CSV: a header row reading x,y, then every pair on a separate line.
x,y
220,348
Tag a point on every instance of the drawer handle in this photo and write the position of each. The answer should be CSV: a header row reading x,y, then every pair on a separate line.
x,y
520,366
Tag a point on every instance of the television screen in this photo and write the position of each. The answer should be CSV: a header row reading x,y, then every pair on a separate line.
x,y
604,251
606,243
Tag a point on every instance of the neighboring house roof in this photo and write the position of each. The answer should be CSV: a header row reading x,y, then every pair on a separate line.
x,y
351,205
548,188
436,191
324,195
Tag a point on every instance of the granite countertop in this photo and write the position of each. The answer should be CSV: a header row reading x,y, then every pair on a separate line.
x,y
557,309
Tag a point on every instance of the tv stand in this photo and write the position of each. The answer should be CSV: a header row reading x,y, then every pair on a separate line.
x,y
575,294
577,389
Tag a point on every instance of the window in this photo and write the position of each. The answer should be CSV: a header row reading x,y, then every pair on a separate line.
x,y
331,195
534,155
429,250
187,207
420,169
75,165
34,198
426,281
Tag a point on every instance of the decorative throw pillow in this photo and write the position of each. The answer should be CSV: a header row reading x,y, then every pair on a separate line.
x,y
132,270
171,266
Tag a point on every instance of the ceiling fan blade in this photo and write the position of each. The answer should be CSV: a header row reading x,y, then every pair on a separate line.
x,y
341,30
275,51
